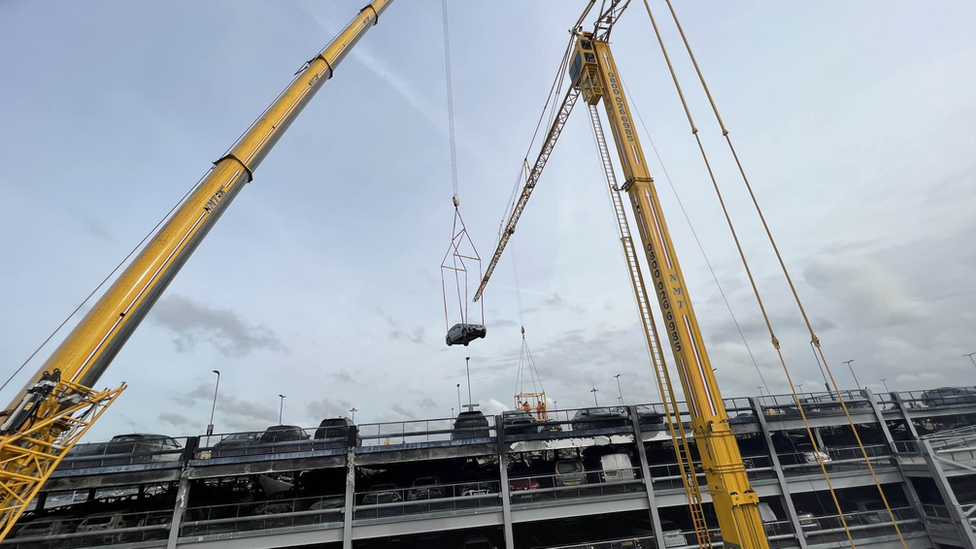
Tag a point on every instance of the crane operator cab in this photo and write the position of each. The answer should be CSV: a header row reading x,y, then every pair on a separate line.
x,y
462,333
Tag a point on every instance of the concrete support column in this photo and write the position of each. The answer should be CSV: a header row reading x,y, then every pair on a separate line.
x,y
780,478
646,476
179,509
350,502
948,496
506,494
909,488
904,414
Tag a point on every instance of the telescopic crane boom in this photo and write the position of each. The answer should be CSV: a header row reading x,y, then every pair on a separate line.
x,y
593,70
58,404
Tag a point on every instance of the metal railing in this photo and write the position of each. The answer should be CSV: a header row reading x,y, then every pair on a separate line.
x,y
834,466
274,441
395,502
114,454
862,524
782,407
939,398
424,431
275,513
54,532
579,485
934,511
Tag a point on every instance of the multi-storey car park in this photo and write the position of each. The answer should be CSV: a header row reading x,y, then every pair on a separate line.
x,y
833,469
576,480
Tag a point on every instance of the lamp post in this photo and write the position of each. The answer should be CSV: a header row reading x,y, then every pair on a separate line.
x,y
467,369
281,407
459,397
883,380
970,355
799,387
353,411
856,382
595,391
619,392
760,387
213,409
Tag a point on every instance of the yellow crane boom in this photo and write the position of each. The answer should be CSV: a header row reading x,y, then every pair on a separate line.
x,y
58,404
593,70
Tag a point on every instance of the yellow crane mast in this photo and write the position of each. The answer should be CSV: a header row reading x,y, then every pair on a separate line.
x,y
58,404
593,70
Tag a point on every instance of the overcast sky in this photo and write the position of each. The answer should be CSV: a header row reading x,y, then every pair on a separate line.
x,y
853,119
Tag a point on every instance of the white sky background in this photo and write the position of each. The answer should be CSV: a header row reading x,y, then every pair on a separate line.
x,y
854,121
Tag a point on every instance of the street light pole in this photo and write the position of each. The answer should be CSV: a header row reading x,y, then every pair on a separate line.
x,y
883,382
353,411
467,369
856,382
760,387
970,355
213,409
799,387
281,407
595,391
619,392
459,397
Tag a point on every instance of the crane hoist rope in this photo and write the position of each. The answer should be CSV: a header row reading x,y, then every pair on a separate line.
x,y
461,252
534,401
814,340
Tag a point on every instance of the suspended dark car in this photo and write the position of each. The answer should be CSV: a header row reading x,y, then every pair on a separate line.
x,y
462,334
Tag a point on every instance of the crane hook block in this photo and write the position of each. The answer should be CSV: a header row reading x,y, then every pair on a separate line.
x,y
462,334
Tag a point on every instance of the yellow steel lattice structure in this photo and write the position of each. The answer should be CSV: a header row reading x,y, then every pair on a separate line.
x,y
28,457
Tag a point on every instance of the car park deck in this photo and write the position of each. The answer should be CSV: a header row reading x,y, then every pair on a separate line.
x,y
356,483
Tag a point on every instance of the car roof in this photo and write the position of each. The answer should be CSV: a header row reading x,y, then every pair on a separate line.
x,y
282,427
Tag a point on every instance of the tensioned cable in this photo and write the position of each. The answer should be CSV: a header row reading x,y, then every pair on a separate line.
x,y
554,90
814,340
450,100
104,280
752,281
694,233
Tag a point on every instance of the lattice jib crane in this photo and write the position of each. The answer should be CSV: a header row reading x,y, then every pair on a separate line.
x,y
594,72
59,403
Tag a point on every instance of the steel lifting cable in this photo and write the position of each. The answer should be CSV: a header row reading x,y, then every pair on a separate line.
x,y
525,355
694,233
814,340
458,235
450,101
752,282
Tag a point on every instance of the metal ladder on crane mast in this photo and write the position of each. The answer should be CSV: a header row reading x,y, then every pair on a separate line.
x,y
678,438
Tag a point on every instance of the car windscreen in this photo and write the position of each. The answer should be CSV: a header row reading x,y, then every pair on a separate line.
x,y
569,467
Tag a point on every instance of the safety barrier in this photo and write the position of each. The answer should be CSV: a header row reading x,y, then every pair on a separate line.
x,y
96,530
274,513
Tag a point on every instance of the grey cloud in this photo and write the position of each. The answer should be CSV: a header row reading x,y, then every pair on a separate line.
x,y
867,291
191,323
398,331
327,407
92,226
342,376
403,411
174,419
236,413
503,323
427,402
